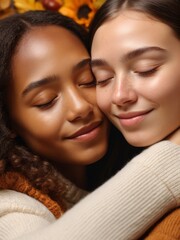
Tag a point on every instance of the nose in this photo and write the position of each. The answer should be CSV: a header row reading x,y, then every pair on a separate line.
x,y
124,93
77,106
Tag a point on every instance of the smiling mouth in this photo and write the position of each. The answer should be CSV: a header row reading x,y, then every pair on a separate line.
x,y
87,132
133,118
133,114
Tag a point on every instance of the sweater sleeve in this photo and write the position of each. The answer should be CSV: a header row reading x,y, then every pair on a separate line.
x,y
16,224
126,205
21,214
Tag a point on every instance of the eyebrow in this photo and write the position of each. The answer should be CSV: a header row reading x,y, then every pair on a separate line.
x,y
38,84
50,79
140,51
129,56
98,63
82,64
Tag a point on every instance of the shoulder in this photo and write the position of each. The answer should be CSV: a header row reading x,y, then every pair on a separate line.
x,y
16,202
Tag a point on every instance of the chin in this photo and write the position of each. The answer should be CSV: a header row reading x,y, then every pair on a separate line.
x,y
94,156
144,142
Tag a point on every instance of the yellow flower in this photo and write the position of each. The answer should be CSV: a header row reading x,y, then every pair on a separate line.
x,y
98,3
26,5
82,11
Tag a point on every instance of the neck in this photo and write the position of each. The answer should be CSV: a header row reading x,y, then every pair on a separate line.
x,y
174,136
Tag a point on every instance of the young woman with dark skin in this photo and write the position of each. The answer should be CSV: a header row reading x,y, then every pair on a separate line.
x,y
138,77
51,127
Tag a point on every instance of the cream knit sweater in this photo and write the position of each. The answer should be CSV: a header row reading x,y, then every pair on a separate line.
x,y
121,209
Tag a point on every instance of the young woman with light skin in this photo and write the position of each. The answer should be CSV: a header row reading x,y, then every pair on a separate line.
x,y
138,75
51,125
138,87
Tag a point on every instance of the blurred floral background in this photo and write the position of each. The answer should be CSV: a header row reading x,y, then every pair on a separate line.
x,y
82,11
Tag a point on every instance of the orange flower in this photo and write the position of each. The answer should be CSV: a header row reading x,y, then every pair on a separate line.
x,y
82,11
4,4
26,5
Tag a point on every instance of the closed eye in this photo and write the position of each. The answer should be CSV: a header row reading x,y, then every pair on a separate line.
x,y
46,105
147,73
88,84
103,82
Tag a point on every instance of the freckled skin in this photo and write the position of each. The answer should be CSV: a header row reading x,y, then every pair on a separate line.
x,y
148,81
46,115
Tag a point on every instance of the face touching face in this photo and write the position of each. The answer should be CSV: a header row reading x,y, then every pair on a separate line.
x,y
135,60
52,99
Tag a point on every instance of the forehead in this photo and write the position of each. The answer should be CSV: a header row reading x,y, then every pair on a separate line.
x,y
46,51
130,17
42,37
130,27
45,45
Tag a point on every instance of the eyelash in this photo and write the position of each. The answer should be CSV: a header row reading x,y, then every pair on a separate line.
x,y
103,82
142,74
89,84
147,73
46,105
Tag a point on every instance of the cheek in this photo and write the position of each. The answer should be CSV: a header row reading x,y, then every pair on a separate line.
x,y
103,100
89,95
167,91
39,124
170,100
37,129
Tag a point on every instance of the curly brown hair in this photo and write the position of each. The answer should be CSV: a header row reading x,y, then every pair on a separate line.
x,y
14,155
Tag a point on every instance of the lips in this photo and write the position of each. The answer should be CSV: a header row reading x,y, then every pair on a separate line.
x,y
132,119
132,114
85,130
